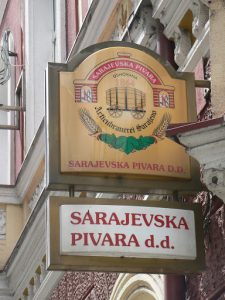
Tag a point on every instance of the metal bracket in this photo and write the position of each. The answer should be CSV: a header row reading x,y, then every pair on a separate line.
x,y
11,108
203,84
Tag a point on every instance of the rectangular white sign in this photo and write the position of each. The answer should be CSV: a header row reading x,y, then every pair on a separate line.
x,y
127,231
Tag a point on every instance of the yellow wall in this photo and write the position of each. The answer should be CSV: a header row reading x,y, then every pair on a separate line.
x,y
16,218
13,230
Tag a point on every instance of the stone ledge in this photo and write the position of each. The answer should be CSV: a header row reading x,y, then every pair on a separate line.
x,y
205,141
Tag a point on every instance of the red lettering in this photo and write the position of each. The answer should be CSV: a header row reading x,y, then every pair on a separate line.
x,y
150,243
126,221
155,167
88,218
114,218
75,237
85,239
100,218
134,219
159,222
134,240
147,223
170,222
95,241
183,223
76,218
120,238
84,164
70,163
107,239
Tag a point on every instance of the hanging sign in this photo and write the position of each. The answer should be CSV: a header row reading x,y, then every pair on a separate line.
x,y
113,105
85,231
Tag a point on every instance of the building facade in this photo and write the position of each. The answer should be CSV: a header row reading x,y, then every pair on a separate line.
x,y
187,35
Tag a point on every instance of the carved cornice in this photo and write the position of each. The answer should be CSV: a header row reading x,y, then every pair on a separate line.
x,y
143,30
182,41
170,13
197,51
207,145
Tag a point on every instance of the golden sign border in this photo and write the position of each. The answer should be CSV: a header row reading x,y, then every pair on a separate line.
x,y
55,261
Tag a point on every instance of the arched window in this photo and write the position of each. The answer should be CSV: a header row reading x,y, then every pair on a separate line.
x,y
138,286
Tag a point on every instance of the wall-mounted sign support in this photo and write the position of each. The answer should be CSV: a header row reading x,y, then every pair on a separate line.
x,y
107,112
124,236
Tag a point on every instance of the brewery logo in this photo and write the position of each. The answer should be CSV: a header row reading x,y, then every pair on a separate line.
x,y
126,96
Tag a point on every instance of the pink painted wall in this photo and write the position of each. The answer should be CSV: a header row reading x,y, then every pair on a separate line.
x,y
12,21
84,8
72,20
71,23
200,99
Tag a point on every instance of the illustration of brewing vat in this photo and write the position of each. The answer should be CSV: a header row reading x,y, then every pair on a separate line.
x,y
126,99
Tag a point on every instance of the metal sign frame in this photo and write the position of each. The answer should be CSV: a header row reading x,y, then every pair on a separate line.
x,y
55,180
55,261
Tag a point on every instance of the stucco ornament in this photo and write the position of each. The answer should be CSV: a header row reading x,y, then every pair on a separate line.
x,y
201,16
206,2
215,181
2,224
182,45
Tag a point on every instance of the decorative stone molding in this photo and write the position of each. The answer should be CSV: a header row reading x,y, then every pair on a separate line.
x,y
2,224
139,28
162,10
214,179
123,15
36,194
143,31
138,286
206,2
206,143
35,283
198,50
182,45
201,16
35,289
170,13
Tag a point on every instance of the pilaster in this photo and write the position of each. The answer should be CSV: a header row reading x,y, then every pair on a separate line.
x,y
217,55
